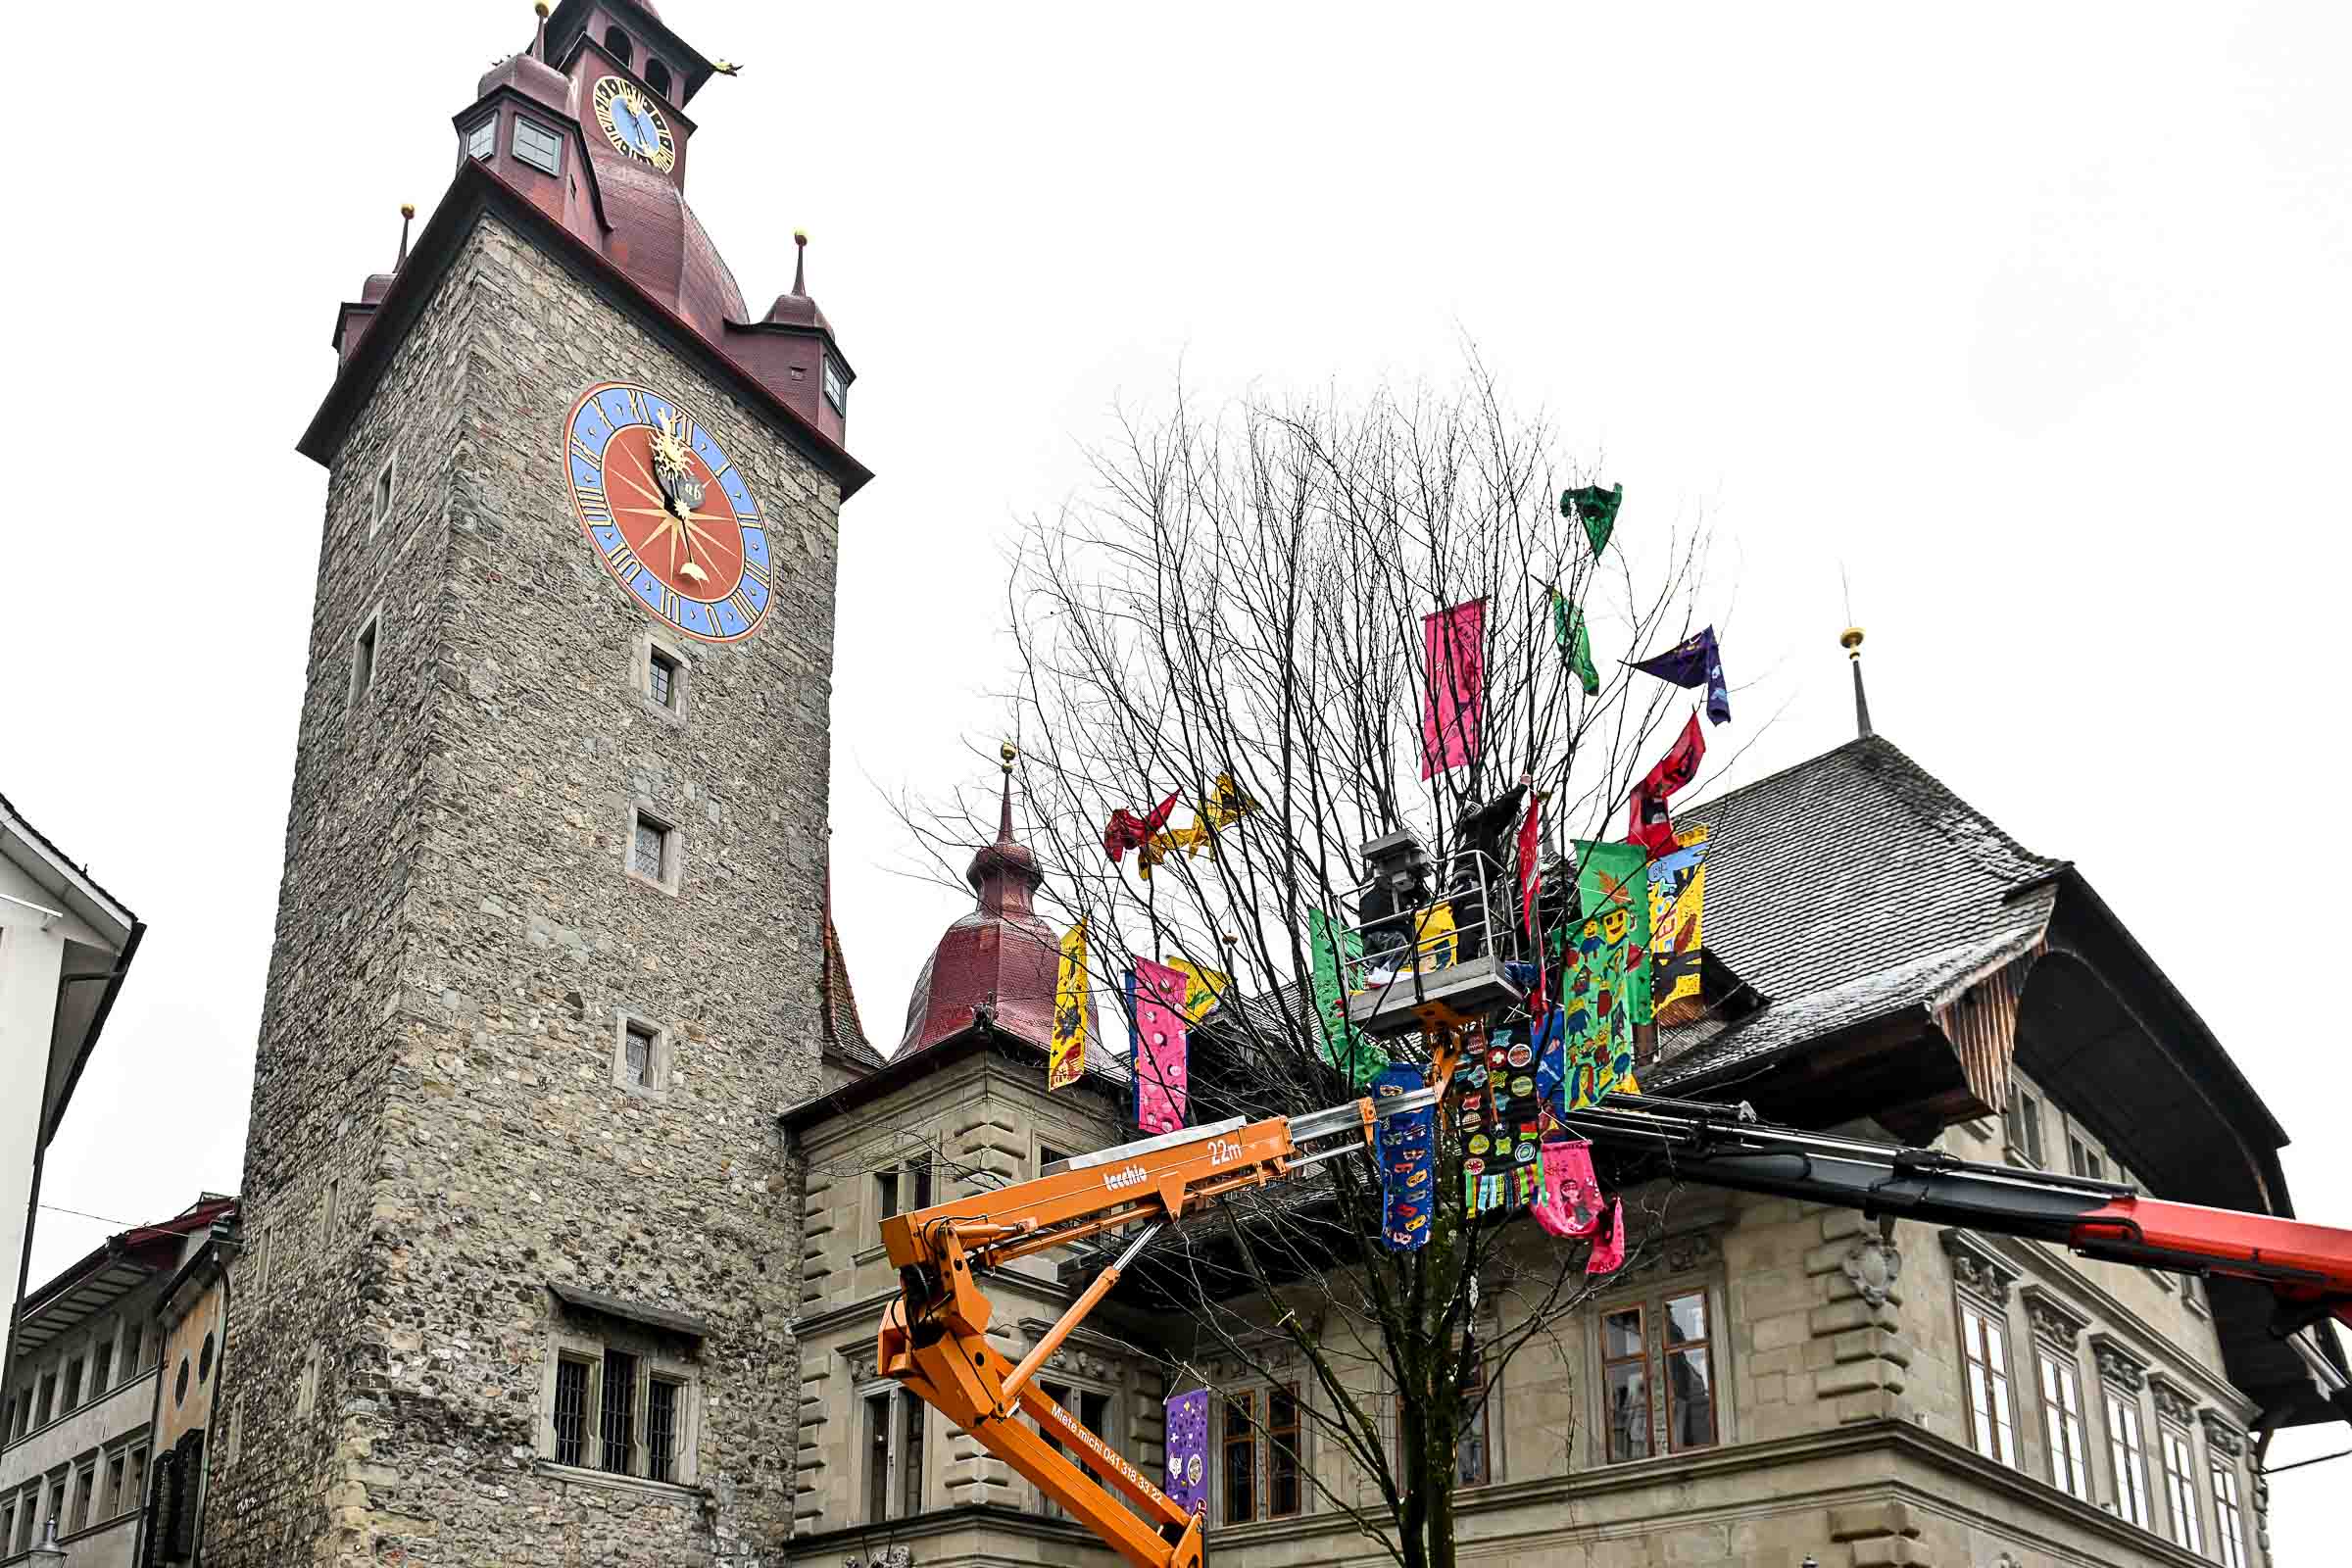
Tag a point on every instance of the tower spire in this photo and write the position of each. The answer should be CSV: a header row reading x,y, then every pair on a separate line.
x,y
1007,752
539,44
799,272
1852,641
408,215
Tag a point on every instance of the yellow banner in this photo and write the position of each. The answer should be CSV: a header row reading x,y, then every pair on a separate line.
x,y
1677,893
1203,988
1065,1057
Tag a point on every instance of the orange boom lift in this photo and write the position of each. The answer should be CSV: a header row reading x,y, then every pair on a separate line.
x,y
934,1338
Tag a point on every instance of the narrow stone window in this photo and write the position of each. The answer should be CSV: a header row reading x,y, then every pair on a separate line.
x,y
363,658
617,1410
327,1210
538,146
1625,1384
2023,1123
482,140
661,1428
617,43
379,500
2179,1490
85,1486
134,1467
2228,1519
657,76
571,1410
1282,1452
911,1455
662,674
636,1055
885,1194
2127,1452
114,1501
877,1458
306,1396
48,1399
2083,1159
1984,1349
652,851
837,387
73,1399
134,1337
2062,1428
102,1366
641,1056
1689,1373
1240,1470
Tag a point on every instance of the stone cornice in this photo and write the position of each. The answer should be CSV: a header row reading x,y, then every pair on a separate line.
x,y
2119,1364
1976,1267
2053,1318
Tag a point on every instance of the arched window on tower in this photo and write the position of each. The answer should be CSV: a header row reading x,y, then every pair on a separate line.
x,y
657,75
619,43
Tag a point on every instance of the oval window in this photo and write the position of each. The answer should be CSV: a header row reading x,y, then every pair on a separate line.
x,y
204,1361
179,1389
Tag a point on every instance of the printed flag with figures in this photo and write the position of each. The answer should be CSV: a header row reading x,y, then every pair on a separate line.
x,y
1604,983
1568,1200
1455,686
1405,1145
1187,1452
1333,952
1608,1247
1155,1002
1650,824
1677,892
1695,661
1568,628
1499,1116
1066,1053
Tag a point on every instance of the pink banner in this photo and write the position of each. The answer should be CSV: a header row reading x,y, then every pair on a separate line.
x,y
1155,1002
1454,693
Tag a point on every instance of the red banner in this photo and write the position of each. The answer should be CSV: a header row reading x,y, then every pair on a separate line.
x,y
1454,685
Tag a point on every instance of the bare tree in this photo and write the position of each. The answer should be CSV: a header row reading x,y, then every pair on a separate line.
x,y
1242,595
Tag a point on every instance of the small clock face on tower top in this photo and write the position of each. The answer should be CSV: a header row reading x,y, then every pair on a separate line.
x,y
667,511
633,124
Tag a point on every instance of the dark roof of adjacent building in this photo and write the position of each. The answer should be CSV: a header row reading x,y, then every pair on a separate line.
x,y
1846,888
844,1031
113,1269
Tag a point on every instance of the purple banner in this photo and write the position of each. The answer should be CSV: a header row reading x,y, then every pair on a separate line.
x,y
1407,1146
1187,1452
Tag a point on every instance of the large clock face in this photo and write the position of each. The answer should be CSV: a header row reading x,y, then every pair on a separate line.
x,y
634,124
667,512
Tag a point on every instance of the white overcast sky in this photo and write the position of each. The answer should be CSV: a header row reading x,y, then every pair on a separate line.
x,y
2034,318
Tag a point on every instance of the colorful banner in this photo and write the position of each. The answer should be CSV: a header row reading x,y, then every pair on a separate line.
x,y
1203,988
1066,1053
1345,1047
1406,1147
1127,831
1650,825
1499,1116
1678,891
1605,988
1454,685
1568,1200
1437,938
1155,1002
1694,662
1608,1248
1187,1485
1568,628
1597,509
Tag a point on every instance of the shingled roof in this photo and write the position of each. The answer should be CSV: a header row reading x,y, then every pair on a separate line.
x,y
1846,889
845,1031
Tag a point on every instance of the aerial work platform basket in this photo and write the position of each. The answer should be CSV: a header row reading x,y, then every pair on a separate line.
x,y
1424,956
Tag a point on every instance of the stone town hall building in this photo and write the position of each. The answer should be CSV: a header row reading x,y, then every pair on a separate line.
x,y
567,1153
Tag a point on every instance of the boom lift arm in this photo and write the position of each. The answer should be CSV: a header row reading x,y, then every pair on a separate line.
x,y
934,1338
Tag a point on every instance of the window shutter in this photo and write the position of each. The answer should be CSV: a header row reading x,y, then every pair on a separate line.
x,y
188,1489
159,1496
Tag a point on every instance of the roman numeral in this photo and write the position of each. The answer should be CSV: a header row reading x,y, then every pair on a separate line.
x,y
637,407
669,605
593,505
624,563
579,449
756,574
743,607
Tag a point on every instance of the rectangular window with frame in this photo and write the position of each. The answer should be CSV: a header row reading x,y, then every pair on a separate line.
x,y
2228,1520
538,146
55,1508
616,1412
85,1487
2062,1428
1984,1349
1283,1471
637,1047
649,848
662,1429
2022,1122
482,140
911,1455
134,1475
2127,1451
8,1524
893,1438
363,660
102,1366
73,1390
885,1194
837,386
1690,1372
572,1410
1240,1469
48,1406
135,1341
877,1458
1625,1383
26,1515
1091,1410
2082,1159
2180,1487
379,499
116,1502
662,671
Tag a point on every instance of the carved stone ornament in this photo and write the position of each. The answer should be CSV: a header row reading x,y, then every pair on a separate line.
x,y
2171,1404
1975,1267
2220,1436
883,1557
861,1362
1676,1255
1874,1264
2118,1365
2052,1318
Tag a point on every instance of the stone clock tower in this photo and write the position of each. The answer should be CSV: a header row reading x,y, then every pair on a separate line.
x,y
550,946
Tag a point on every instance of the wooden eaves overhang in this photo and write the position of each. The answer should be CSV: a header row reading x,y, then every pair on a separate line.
x,y
476,192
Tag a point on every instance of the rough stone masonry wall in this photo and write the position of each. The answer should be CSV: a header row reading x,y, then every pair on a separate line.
x,y
505,1156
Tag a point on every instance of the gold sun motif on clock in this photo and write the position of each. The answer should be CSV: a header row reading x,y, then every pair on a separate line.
x,y
633,124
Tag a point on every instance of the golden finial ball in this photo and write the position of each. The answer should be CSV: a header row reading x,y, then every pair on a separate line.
x,y
407,208
1007,752
540,7
1852,641
800,236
